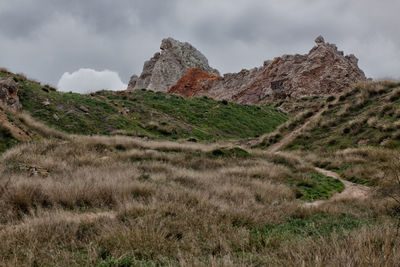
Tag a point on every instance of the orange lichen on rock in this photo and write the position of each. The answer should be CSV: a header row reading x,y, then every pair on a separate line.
x,y
193,83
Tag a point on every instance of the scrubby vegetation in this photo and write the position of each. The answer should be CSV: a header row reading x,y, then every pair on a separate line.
x,y
366,115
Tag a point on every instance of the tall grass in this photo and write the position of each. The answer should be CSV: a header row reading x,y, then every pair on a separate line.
x,y
104,200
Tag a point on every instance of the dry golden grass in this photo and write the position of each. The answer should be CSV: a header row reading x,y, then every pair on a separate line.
x,y
285,128
176,188
377,246
87,200
39,127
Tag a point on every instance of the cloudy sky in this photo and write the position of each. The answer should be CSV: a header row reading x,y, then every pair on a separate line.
x,y
86,42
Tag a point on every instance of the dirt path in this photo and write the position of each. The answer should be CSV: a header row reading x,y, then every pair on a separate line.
x,y
286,140
351,190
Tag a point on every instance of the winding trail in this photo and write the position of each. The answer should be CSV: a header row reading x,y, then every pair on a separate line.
x,y
351,190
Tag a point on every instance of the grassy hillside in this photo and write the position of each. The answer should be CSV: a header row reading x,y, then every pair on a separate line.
x,y
17,127
366,115
145,113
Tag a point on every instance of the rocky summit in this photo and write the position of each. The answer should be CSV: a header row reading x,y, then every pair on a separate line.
x,y
165,68
324,70
9,93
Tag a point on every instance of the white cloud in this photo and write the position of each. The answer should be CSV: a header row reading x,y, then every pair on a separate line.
x,y
88,80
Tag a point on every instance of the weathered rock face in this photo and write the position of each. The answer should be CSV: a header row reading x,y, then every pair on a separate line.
x,y
324,70
166,68
9,93
194,82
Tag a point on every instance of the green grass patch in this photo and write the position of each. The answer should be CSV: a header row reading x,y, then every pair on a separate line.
x,y
206,118
317,186
318,225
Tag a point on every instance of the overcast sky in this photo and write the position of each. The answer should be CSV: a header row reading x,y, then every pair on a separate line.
x,y
48,39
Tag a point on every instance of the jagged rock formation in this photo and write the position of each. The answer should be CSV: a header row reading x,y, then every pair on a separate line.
x,y
9,93
166,68
324,70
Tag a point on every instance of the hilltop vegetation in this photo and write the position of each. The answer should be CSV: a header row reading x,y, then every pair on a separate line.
x,y
145,114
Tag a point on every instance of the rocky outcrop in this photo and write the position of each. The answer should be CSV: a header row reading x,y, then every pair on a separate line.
x,y
9,93
324,70
164,69
194,82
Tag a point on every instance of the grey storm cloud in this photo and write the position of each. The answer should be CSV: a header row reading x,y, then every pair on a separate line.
x,y
46,38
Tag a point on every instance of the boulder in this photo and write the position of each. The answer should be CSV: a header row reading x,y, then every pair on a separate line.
x,y
9,93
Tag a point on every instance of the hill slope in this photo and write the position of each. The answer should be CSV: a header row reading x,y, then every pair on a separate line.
x,y
365,115
144,113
